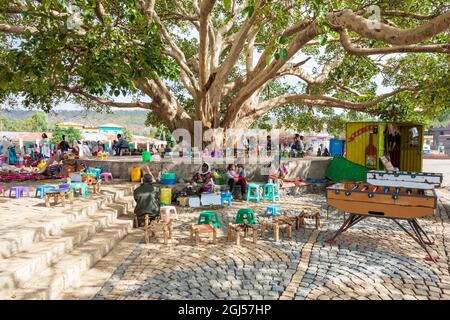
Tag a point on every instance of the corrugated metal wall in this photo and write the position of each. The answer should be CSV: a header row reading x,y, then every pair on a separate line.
x,y
411,156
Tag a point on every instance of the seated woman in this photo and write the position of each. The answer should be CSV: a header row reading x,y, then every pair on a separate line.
x,y
236,179
204,179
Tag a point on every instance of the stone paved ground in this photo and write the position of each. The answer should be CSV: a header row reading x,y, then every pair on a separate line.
x,y
373,260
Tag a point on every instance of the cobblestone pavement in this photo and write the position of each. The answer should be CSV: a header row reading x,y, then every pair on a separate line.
x,y
373,260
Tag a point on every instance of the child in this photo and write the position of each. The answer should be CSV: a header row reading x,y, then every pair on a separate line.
x,y
242,174
235,179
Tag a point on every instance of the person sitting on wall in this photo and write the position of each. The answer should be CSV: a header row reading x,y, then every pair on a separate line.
x,y
235,179
298,147
147,200
204,178
120,145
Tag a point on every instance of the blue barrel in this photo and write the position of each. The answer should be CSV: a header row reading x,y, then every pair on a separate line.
x,y
337,147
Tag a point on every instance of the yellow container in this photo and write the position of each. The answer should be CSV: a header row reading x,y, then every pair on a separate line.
x,y
166,196
136,174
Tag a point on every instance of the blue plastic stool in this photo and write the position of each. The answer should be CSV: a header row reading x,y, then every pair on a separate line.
x,y
250,195
41,191
273,210
226,196
80,186
271,192
95,171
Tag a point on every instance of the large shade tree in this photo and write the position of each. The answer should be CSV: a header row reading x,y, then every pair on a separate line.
x,y
215,61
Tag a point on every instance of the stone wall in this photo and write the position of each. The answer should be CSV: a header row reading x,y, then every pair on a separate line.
x,y
305,168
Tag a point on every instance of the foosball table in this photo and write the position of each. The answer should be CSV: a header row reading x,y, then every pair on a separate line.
x,y
399,196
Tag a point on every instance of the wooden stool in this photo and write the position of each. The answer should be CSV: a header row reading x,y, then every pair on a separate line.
x,y
157,226
58,195
301,218
197,229
276,225
237,229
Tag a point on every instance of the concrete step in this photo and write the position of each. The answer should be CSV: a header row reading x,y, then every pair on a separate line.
x,y
23,266
18,240
66,272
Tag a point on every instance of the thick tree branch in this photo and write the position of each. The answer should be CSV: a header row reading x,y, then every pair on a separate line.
x,y
402,14
205,9
262,73
313,100
296,70
178,55
106,102
8,28
395,36
100,11
346,43
346,89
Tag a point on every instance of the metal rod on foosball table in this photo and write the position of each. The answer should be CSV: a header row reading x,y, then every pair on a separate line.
x,y
418,240
416,223
342,228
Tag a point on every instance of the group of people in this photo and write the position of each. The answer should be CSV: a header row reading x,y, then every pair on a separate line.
x,y
13,154
204,179
147,195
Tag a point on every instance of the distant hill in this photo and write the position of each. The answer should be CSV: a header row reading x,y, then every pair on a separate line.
x,y
134,120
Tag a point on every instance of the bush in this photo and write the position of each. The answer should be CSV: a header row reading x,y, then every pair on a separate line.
x,y
70,133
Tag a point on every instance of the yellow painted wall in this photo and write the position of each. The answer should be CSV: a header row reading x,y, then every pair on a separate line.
x,y
356,149
410,157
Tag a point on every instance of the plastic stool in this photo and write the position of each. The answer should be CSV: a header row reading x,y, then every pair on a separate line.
x,y
271,192
168,213
2,190
106,176
207,217
250,195
226,196
245,214
41,191
95,171
19,191
273,210
80,186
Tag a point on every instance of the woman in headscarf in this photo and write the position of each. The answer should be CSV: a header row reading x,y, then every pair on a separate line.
x,y
204,178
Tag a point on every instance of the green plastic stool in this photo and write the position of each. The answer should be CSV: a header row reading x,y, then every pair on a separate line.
x,y
250,195
207,217
271,192
245,214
